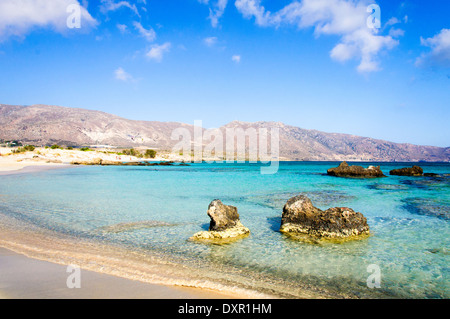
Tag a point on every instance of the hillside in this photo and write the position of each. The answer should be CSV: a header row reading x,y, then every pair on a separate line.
x,y
45,125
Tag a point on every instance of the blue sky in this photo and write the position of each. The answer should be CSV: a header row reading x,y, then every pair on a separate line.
x,y
315,64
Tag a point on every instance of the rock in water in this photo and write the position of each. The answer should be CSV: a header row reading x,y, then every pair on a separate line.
x,y
345,170
222,216
408,171
225,223
301,217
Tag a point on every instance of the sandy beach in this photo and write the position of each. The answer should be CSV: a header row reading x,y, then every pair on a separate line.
x,y
22,277
54,158
35,266
10,165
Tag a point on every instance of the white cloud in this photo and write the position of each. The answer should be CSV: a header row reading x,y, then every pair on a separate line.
x,y
345,18
236,58
157,51
392,21
121,75
253,8
440,50
216,10
210,41
122,28
149,35
111,5
395,33
17,18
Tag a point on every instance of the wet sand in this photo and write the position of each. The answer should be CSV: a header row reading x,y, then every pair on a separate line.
x,y
18,169
26,278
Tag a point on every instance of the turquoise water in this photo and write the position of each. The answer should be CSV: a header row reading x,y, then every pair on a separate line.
x,y
408,218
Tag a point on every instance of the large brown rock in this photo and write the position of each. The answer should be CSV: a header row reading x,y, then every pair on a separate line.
x,y
301,217
408,171
345,170
222,216
224,224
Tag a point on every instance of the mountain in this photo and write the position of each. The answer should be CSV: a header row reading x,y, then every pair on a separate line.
x,y
46,125
312,145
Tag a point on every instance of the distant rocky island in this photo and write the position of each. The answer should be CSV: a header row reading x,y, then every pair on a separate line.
x,y
47,125
345,170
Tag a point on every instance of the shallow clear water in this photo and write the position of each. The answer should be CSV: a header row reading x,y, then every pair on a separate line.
x,y
408,217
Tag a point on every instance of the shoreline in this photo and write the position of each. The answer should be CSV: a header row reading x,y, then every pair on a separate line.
x,y
23,277
32,168
47,158
22,256
29,272
159,277
39,245
110,266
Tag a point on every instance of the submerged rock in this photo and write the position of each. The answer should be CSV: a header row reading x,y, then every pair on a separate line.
x,y
387,187
225,223
433,207
300,216
407,171
345,170
132,226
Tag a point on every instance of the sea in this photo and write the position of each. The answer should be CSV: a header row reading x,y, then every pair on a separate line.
x,y
151,212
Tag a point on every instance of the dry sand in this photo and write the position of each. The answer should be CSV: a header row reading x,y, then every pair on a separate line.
x,y
10,164
42,158
47,156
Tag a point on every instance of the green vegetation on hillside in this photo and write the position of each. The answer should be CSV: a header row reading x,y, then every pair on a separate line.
x,y
150,154
26,148
136,153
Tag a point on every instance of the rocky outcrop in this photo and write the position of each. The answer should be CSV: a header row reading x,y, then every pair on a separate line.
x,y
408,171
99,161
300,216
345,170
224,224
